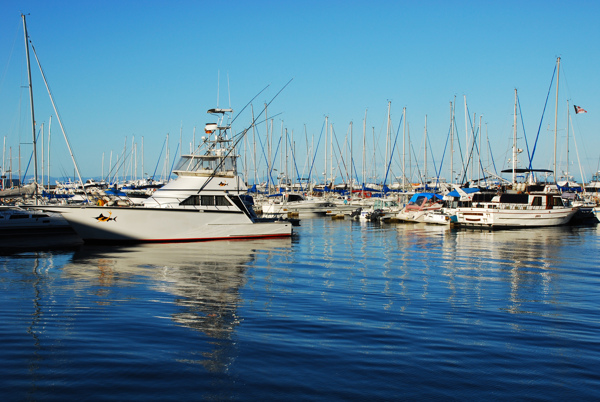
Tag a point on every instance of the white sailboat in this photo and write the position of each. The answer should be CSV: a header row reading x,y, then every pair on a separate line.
x,y
16,221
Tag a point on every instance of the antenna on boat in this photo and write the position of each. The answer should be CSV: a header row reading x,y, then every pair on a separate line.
x,y
228,90
243,133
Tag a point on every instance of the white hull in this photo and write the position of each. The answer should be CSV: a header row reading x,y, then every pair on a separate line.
x,y
166,224
492,217
437,218
416,215
305,207
17,221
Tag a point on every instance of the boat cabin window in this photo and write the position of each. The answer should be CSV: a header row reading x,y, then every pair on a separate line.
x,y
537,202
192,163
557,202
294,197
214,200
191,200
514,198
206,200
19,216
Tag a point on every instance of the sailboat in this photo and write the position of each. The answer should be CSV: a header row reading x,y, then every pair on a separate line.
x,y
21,221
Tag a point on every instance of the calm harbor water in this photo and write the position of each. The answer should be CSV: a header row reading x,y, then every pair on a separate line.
x,y
342,311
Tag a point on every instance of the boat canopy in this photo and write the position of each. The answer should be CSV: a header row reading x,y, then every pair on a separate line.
x,y
429,196
468,190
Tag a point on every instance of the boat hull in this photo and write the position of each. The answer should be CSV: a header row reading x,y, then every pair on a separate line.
x,y
492,217
130,224
320,208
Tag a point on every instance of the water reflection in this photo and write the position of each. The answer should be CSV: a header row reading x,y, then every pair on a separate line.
x,y
530,261
203,281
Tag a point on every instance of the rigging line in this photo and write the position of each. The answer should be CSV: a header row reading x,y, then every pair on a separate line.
x,y
243,133
432,155
341,156
392,153
296,166
577,151
462,160
470,154
244,108
12,49
416,160
241,136
173,163
472,147
270,172
159,158
523,125
492,156
443,155
58,118
30,157
542,118
262,148
315,152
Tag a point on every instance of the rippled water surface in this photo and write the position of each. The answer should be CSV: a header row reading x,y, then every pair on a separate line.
x,y
341,311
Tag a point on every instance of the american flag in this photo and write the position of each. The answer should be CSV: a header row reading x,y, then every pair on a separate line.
x,y
579,109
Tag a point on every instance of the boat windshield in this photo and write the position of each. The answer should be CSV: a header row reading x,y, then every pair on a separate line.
x,y
206,163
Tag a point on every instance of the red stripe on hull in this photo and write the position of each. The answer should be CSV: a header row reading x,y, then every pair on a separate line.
x,y
269,236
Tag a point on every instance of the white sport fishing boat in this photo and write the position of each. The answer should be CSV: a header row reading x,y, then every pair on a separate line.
x,y
207,201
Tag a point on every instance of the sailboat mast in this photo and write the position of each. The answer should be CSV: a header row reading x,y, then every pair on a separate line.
x,y
331,155
452,142
3,184
387,139
325,165
466,131
514,172
253,143
480,174
556,113
425,172
364,155
351,160
567,173
403,149
49,132
42,154
269,145
35,168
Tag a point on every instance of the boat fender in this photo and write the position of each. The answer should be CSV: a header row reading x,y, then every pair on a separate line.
x,y
100,202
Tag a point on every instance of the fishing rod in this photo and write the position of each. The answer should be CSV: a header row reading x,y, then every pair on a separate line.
x,y
241,136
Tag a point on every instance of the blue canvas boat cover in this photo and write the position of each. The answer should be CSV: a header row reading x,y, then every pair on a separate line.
x,y
426,195
468,190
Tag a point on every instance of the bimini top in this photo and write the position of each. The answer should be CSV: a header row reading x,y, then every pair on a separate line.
x,y
468,190
429,196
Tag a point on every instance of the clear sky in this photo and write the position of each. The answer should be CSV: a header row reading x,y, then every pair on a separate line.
x,y
123,70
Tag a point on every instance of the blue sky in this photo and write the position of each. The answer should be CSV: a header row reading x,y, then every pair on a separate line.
x,y
125,69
